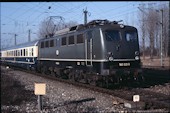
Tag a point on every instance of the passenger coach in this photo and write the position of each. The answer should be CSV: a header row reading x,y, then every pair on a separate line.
x,y
23,55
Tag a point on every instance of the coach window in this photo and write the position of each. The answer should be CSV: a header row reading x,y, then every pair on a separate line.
x,y
26,52
71,40
63,41
47,43
51,43
18,52
30,51
80,38
21,52
15,52
42,44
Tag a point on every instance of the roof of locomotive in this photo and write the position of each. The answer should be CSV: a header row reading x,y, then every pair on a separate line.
x,y
92,24
27,44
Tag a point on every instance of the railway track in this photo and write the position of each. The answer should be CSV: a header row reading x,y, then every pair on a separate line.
x,y
150,99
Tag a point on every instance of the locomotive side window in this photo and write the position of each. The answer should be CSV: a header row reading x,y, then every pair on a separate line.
x,y
112,35
51,43
131,36
63,41
42,44
47,43
80,38
71,40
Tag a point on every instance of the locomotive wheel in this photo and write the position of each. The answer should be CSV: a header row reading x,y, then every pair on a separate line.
x,y
71,75
52,73
91,80
63,73
139,80
44,70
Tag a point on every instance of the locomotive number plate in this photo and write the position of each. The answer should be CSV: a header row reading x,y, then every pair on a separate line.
x,y
124,64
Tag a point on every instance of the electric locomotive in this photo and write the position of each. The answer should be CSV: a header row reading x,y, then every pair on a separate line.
x,y
101,50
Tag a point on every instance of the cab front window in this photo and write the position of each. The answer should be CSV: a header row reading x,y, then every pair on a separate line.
x,y
112,35
131,36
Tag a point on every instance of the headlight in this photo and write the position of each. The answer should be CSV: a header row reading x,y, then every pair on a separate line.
x,y
136,52
110,58
136,57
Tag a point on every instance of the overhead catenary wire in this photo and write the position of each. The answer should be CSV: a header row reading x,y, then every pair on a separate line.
x,y
71,12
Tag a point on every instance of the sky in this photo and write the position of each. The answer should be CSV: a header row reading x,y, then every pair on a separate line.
x,y
20,17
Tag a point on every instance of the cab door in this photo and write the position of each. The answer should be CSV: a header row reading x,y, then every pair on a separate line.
x,y
88,48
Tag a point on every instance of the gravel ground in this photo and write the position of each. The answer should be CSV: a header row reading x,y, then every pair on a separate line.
x,y
63,98
164,89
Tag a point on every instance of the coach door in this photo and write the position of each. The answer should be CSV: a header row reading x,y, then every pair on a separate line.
x,y
88,47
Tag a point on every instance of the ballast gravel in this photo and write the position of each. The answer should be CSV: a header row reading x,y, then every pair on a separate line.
x,y
63,98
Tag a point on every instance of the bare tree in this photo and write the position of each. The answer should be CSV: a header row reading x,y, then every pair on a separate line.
x,y
142,25
164,14
49,27
165,29
151,21
150,27
46,29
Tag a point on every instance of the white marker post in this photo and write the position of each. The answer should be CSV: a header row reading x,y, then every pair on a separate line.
x,y
136,99
40,89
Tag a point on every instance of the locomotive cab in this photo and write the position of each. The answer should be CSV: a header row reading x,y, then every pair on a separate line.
x,y
122,46
121,51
